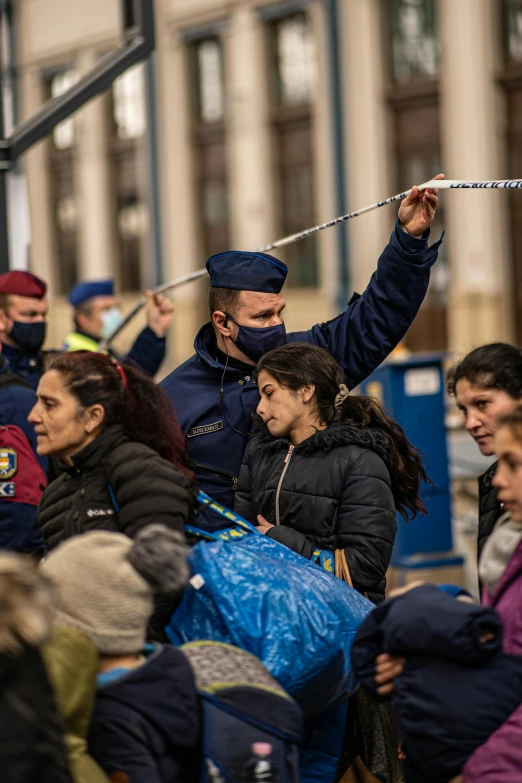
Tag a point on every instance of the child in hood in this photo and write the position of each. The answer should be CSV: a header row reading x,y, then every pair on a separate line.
x,y
145,723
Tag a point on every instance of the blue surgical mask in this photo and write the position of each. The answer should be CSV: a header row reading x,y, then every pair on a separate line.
x,y
111,319
255,342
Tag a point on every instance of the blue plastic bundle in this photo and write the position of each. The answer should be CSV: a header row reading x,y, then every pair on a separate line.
x,y
299,620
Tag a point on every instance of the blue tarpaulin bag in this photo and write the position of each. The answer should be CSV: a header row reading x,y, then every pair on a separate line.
x,y
252,592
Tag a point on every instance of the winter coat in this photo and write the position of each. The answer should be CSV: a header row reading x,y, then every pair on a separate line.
x,y
71,661
145,488
32,745
500,758
19,529
217,423
146,721
490,509
332,491
455,690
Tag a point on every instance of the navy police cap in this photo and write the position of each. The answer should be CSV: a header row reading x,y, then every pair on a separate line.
x,y
88,289
247,272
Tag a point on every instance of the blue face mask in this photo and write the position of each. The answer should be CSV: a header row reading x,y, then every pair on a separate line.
x,y
111,319
255,342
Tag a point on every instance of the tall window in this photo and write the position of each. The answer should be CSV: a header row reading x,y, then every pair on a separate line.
x,y
63,192
512,80
414,103
414,39
210,143
293,93
128,125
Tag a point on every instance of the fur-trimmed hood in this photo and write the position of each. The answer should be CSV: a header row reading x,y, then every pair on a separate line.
x,y
338,434
25,615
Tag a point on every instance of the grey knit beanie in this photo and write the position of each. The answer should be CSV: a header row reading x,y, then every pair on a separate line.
x,y
104,583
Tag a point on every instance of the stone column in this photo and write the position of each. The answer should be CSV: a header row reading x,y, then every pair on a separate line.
x,y
35,166
248,131
97,247
184,252
367,152
472,147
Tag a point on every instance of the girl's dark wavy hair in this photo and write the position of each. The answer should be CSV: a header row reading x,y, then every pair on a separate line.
x,y
298,364
493,366
143,408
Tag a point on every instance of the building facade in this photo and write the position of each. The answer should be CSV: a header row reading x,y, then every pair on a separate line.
x,y
271,117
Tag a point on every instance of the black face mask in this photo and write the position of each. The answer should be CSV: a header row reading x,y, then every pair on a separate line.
x,y
254,342
31,337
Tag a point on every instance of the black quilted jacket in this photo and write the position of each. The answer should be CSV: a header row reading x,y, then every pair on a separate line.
x,y
490,509
146,487
333,492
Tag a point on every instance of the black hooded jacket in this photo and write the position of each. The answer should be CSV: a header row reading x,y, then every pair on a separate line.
x,y
145,725
333,491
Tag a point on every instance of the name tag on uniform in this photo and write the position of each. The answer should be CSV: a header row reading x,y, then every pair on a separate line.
x,y
205,429
7,490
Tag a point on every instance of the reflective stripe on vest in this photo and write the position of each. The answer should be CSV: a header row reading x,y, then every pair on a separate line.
x,y
80,342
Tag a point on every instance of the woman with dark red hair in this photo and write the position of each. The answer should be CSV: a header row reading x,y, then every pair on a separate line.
x,y
121,450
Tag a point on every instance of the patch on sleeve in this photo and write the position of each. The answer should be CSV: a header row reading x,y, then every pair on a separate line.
x,y
7,489
205,429
8,463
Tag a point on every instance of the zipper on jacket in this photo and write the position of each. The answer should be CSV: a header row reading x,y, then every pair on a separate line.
x,y
223,474
278,491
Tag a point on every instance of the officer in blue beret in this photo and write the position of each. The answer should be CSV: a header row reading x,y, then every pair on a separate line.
x,y
97,315
215,393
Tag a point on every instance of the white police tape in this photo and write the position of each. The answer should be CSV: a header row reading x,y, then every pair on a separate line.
x,y
442,184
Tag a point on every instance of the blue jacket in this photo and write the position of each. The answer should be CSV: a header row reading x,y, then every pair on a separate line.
x,y
454,692
359,339
145,723
148,351
18,521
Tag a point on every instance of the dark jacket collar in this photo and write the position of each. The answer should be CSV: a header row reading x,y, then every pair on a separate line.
x,y
97,452
337,434
205,347
17,354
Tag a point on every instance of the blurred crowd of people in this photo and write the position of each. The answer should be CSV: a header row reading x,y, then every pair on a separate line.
x,y
100,469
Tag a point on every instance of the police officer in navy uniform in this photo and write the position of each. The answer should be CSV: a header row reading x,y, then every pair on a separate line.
x,y
23,323
215,393
97,315
19,529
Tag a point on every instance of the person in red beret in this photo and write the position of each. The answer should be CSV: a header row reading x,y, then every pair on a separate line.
x,y
23,323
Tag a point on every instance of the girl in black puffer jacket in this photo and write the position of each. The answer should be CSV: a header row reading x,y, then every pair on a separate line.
x,y
327,470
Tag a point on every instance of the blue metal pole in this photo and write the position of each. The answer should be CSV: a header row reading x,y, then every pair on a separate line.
x,y
338,150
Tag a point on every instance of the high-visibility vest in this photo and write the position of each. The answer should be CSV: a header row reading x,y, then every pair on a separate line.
x,y
79,342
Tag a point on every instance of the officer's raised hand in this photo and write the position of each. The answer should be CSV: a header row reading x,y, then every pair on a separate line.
x,y
418,209
160,312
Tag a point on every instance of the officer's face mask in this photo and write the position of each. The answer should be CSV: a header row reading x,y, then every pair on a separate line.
x,y
111,319
255,342
30,336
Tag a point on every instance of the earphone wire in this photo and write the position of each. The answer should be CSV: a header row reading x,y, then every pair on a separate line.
x,y
222,391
